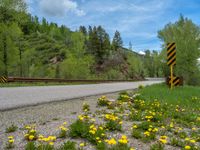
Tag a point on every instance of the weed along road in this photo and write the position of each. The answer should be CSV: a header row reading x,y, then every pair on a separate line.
x,y
16,97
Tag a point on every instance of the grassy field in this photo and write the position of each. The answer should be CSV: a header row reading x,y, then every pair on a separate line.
x,y
186,96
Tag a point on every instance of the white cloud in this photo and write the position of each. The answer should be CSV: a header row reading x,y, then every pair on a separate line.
x,y
60,7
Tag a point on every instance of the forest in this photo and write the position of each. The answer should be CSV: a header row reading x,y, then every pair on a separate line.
x,y
34,47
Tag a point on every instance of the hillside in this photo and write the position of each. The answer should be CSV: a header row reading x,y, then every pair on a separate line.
x,y
36,48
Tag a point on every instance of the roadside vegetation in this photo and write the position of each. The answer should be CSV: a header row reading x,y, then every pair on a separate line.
x,y
22,84
154,116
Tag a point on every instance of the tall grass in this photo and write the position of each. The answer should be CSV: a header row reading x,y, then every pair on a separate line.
x,y
188,96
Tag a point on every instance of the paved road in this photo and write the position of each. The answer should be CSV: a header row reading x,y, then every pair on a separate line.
x,y
16,97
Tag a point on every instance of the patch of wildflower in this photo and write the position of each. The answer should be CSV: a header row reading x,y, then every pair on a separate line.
x,y
121,143
63,130
85,107
46,140
10,143
123,140
124,97
111,141
113,122
163,139
84,117
135,115
139,104
85,129
103,101
31,134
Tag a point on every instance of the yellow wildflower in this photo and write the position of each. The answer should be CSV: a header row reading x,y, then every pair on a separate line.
x,y
51,143
111,141
121,122
11,141
10,137
31,137
192,141
187,147
147,133
82,144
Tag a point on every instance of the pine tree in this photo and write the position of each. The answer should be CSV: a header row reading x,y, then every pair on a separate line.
x,y
83,30
117,41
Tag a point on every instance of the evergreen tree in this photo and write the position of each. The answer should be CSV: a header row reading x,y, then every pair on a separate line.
x,y
117,41
83,30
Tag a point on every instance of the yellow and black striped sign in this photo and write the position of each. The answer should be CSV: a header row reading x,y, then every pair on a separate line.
x,y
171,54
176,81
3,79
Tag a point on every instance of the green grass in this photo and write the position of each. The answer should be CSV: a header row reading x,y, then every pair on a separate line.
x,y
182,96
22,84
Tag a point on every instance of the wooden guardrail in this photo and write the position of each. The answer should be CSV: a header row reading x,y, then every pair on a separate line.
x,y
23,79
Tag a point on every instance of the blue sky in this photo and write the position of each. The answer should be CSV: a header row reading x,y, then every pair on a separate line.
x,y
137,20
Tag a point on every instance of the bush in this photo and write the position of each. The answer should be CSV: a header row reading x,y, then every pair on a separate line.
x,y
73,69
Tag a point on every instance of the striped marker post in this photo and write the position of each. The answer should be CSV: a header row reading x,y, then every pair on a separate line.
x,y
171,59
175,81
3,79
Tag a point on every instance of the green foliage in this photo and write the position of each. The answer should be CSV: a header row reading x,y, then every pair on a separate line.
x,y
45,147
113,125
136,134
86,130
11,128
73,69
157,146
136,66
119,147
30,146
179,95
103,101
68,146
186,36
79,129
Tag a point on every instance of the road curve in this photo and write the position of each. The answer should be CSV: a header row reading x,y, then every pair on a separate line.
x,y
17,97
